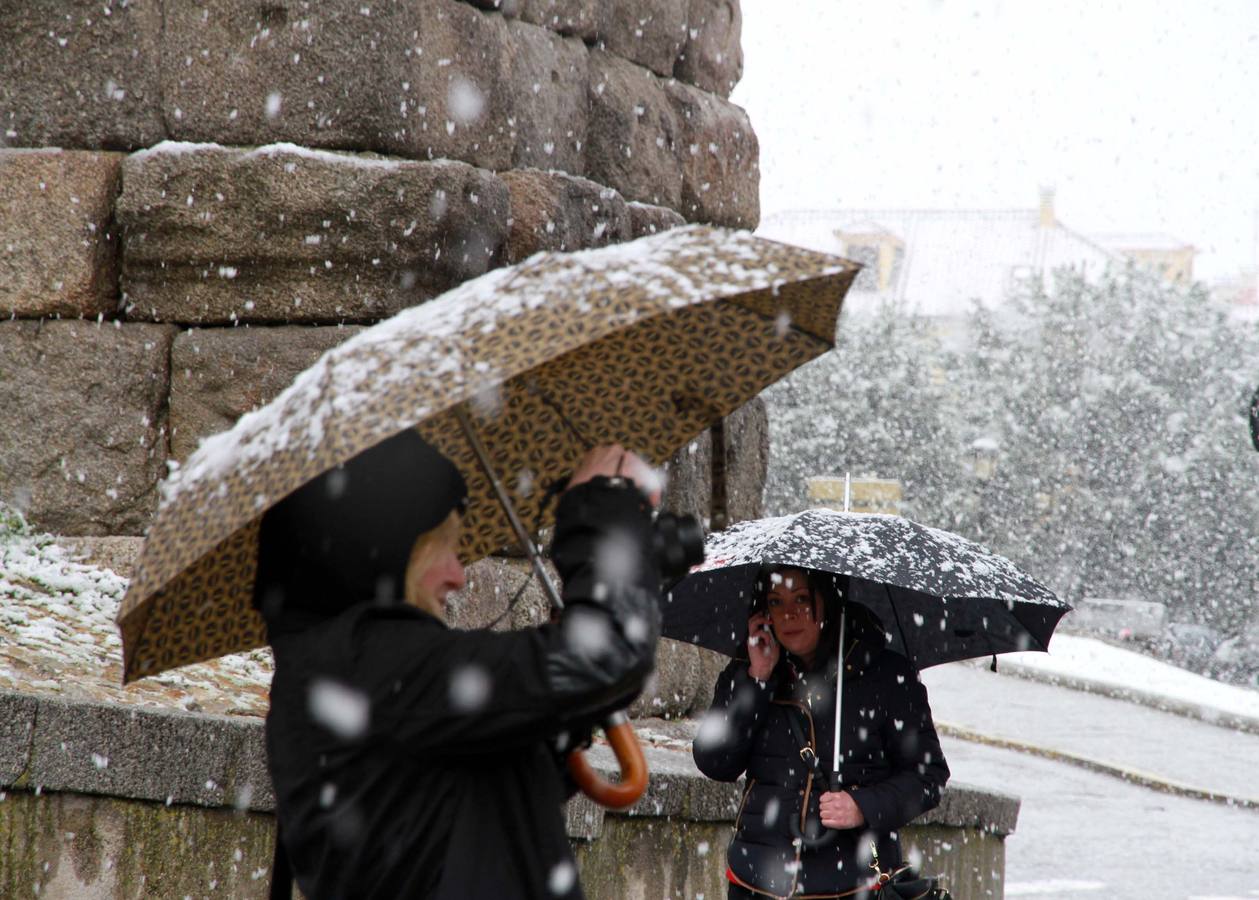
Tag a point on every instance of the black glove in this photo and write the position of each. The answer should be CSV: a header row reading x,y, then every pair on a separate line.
x,y
611,621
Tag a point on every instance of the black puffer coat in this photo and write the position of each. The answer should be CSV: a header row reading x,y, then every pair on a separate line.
x,y
412,760
892,764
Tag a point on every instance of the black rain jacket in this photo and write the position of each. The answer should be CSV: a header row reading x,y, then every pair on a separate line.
x,y
892,764
413,760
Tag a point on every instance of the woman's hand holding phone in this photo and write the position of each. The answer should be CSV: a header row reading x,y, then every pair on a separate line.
x,y
762,648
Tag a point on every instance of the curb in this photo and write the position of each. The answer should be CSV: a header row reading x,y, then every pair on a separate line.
x,y
1133,776
1186,708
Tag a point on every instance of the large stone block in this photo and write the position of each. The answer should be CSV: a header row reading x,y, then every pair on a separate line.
x,y
58,254
548,118
428,79
81,74
579,18
493,584
219,374
690,471
83,435
747,460
688,490
720,159
551,211
256,73
650,33
712,58
634,139
673,688
280,234
646,219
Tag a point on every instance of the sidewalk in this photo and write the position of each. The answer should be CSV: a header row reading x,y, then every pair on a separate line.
x,y
1030,708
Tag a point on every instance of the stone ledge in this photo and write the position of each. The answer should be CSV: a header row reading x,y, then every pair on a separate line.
x,y
283,234
141,754
217,761
217,235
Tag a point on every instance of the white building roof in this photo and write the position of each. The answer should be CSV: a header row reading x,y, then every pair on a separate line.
x,y
950,257
1128,241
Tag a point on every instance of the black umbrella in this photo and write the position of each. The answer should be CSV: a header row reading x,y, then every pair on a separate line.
x,y
939,597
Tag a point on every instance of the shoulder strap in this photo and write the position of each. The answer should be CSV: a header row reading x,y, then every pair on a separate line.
x,y
808,753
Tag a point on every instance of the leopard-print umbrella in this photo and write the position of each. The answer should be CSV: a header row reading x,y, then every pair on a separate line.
x,y
645,343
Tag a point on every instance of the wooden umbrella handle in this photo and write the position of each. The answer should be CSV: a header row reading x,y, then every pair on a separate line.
x,y
629,754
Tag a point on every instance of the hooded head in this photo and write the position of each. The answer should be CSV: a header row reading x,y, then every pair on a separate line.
x,y
345,537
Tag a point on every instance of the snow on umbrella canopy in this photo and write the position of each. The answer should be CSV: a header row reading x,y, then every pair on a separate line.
x,y
644,343
938,596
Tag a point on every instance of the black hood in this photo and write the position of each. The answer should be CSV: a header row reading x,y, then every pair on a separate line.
x,y
344,538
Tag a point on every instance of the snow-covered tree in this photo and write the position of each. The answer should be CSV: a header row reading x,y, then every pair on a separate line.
x,y
1119,408
1094,432
875,407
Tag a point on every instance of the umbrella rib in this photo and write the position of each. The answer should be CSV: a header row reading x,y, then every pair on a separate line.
x,y
887,591
791,325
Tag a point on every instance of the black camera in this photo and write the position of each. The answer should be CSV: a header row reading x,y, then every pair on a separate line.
x,y
677,543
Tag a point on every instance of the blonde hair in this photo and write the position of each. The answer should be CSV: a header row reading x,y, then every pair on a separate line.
x,y
428,546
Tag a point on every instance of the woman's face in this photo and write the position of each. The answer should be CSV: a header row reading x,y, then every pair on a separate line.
x,y
435,570
796,617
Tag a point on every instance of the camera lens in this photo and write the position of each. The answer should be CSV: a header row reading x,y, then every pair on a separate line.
x,y
678,543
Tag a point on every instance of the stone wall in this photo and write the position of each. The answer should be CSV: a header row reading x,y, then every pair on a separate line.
x,y
104,801
220,192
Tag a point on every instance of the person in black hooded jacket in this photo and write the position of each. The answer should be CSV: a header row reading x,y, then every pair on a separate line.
x,y
769,707
413,760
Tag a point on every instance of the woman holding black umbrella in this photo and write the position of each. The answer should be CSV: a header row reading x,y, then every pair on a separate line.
x,y
773,719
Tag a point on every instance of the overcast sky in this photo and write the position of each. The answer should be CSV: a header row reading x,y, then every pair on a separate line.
x,y
1144,114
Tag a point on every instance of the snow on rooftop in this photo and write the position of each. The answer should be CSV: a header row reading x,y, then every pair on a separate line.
x,y
1131,241
950,258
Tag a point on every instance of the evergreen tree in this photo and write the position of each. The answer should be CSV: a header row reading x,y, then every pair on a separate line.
x,y
1094,432
875,407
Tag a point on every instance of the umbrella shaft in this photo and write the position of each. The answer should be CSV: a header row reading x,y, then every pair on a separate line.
x,y
526,542
839,699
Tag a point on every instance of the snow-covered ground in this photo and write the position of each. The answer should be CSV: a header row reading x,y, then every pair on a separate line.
x,y
57,636
1072,658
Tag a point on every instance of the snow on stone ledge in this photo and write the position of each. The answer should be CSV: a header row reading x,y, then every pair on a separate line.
x,y
58,637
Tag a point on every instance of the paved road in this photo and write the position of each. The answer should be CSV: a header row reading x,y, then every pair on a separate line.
x,y
1083,834
1176,748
